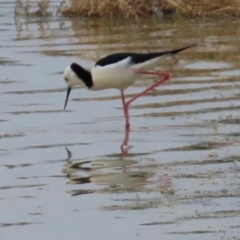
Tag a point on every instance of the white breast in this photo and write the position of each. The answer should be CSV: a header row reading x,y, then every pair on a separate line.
x,y
118,75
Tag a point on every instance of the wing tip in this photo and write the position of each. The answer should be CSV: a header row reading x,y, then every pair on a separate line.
x,y
182,49
192,45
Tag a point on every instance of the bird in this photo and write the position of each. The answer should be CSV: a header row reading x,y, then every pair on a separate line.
x,y
118,71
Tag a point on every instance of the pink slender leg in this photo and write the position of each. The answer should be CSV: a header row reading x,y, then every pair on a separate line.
x,y
124,146
125,110
126,104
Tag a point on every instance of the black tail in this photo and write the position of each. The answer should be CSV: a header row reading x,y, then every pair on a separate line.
x,y
136,58
178,50
144,57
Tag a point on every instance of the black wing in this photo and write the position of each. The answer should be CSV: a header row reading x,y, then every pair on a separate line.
x,y
136,57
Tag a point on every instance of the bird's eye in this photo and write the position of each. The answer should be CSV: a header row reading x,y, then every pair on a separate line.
x,y
66,79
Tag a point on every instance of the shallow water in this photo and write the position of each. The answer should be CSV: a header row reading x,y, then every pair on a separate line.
x,y
64,173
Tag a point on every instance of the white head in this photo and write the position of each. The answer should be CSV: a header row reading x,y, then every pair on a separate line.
x,y
76,75
71,78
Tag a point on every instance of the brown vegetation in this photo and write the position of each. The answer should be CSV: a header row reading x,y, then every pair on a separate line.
x,y
112,8
24,8
138,8
204,8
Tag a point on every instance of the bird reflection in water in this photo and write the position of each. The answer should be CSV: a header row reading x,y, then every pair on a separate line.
x,y
109,174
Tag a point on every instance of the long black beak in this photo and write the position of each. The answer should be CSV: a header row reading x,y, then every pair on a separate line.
x,y
68,93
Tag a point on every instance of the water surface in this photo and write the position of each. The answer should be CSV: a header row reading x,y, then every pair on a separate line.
x,y
65,175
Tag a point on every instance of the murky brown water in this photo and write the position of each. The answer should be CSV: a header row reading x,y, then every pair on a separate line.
x,y
64,174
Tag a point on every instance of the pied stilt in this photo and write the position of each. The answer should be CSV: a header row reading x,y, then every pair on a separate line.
x,y
119,70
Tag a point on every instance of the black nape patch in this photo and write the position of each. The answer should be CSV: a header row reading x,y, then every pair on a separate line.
x,y
82,74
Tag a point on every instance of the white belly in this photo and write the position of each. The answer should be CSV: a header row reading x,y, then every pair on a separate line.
x,y
112,77
119,75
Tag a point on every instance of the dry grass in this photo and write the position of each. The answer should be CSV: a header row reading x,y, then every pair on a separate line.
x,y
135,8
99,8
23,7
203,8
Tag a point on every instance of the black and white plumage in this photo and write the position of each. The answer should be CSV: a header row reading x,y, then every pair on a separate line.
x,y
119,70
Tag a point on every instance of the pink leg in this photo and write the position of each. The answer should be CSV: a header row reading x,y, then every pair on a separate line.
x,y
125,110
124,146
126,104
